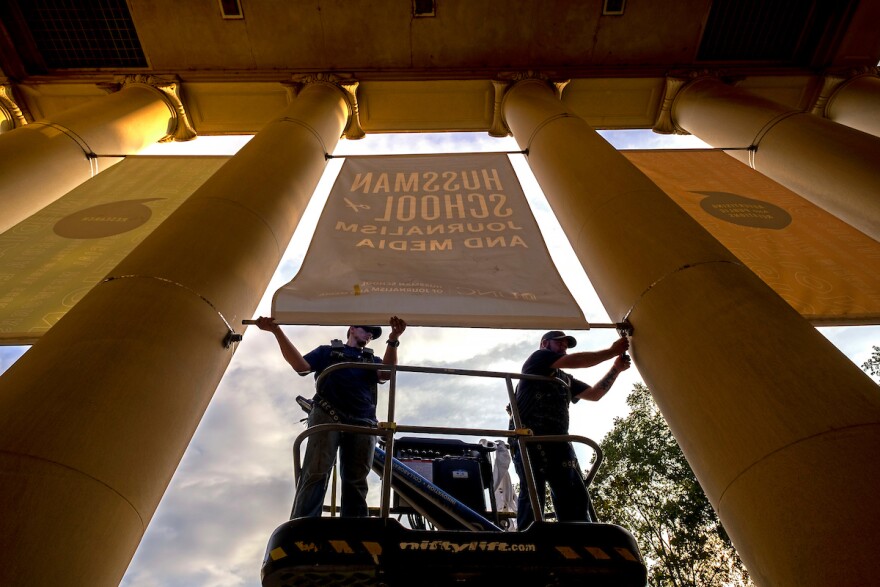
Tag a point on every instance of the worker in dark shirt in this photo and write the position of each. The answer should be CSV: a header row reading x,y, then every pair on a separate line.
x,y
543,407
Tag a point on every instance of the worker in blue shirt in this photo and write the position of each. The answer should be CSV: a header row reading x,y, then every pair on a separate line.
x,y
346,396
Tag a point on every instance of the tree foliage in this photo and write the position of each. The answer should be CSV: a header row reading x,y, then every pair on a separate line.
x,y
872,365
646,485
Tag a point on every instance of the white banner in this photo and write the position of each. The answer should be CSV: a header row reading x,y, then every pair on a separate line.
x,y
440,240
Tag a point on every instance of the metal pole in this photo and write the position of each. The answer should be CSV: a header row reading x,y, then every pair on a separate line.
x,y
389,445
537,506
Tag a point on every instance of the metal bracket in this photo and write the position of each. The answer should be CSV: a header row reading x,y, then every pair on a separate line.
x,y
231,338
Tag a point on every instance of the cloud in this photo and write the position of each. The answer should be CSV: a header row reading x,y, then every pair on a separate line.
x,y
9,355
640,139
234,484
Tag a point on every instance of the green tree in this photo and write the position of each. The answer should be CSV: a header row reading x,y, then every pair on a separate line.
x,y
872,365
646,485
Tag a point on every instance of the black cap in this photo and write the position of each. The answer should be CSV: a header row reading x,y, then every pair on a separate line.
x,y
559,335
374,330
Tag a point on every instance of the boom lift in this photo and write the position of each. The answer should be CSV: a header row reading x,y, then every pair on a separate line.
x,y
462,542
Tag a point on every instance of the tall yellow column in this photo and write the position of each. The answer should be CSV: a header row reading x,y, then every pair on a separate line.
x,y
42,161
832,165
853,102
96,416
781,429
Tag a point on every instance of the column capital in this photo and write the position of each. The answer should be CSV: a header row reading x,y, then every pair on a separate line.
x,y
9,109
170,90
344,82
499,126
835,80
505,81
675,81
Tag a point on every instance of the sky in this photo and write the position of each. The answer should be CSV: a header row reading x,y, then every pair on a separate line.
x,y
234,485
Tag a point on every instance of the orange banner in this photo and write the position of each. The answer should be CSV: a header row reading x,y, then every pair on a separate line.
x,y
824,268
49,261
439,240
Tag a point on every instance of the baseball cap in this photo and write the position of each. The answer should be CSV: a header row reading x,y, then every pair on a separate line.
x,y
559,335
374,330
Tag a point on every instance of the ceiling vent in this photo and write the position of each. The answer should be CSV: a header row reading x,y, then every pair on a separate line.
x,y
231,9
613,7
423,8
787,32
76,34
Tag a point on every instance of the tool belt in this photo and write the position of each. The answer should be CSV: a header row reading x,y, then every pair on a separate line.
x,y
328,407
338,416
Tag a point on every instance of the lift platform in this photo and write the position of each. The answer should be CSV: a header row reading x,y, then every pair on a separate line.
x,y
381,552
463,543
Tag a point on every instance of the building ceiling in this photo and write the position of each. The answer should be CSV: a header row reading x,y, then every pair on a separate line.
x,y
425,64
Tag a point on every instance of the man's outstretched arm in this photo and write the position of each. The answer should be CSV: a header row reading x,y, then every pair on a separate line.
x,y
591,358
598,391
288,351
398,325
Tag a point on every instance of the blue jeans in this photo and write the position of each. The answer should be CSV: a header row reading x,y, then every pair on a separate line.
x,y
553,463
355,462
